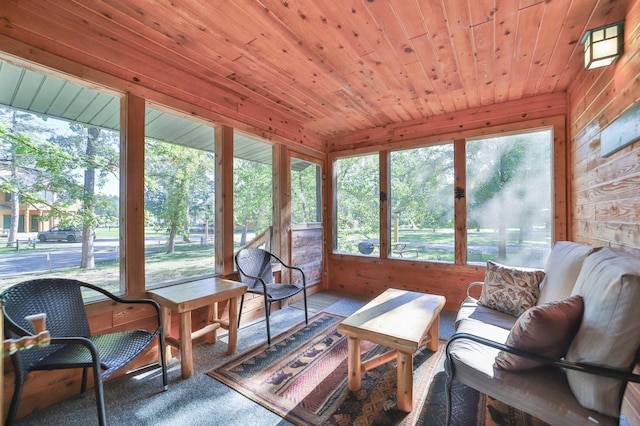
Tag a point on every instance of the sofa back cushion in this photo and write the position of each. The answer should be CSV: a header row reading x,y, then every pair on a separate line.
x,y
561,271
609,334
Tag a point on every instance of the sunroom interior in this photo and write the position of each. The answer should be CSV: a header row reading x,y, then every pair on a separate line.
x,y
394,96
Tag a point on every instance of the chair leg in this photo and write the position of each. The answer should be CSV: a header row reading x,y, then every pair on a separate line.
x,y
15,401
267,311
102,414
83,383
306,315
240,310
163,360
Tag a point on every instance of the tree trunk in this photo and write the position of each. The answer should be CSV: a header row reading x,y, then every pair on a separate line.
x,y
502,226
15,198
15,218
88,258
502,242
243,239
171,245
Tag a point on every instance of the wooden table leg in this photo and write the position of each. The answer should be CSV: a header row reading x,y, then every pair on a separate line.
x,y
186,355
434,335
166,329
354,379
405,382
212,337
233,325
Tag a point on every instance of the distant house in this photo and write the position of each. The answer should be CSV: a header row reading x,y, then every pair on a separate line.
x,y
29,215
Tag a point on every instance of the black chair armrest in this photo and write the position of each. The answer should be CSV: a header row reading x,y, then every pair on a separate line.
x,y
578,366
83,341
304,280
118,299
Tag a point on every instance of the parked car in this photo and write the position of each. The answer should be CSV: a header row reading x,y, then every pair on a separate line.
x,y
67,233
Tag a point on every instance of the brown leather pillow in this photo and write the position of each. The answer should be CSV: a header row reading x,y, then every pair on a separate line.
x,y
546,330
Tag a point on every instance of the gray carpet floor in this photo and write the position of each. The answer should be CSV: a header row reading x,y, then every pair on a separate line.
x,y
137,398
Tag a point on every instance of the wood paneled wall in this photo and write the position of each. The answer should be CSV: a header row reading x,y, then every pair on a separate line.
x,y
605,191
307,251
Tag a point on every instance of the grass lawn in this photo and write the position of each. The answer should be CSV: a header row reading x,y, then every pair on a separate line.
x,y
439,245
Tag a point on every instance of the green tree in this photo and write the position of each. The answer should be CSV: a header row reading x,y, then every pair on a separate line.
x,y
15,127
422,185
357,199
108,209
178,179
304,192
252,198
508,182
75,165
61,172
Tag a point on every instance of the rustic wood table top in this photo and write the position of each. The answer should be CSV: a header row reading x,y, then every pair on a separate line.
x,y
397,319
191,295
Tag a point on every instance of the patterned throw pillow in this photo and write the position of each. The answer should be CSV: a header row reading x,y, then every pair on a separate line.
x,y
546,330
509,289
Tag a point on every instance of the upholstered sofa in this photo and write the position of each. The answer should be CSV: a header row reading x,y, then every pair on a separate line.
x,y
562,349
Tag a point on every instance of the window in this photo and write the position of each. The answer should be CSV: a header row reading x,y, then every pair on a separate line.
x,y
179,199
509,198
357,218
422,217
306,196
252,191
71,134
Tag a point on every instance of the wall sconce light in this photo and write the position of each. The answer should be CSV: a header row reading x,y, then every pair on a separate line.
x,y
603,45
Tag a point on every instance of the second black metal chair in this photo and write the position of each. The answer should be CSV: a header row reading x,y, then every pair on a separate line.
x,y
255,270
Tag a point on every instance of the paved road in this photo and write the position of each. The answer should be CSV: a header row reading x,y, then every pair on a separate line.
x,y
53,255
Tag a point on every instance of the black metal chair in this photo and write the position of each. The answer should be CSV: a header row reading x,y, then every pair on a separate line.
x,y
72,345
254,267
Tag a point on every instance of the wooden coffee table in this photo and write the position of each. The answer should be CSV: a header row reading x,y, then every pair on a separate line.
x,y
186,297
401,320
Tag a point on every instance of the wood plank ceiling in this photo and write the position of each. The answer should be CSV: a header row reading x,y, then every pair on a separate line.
x,y
317,71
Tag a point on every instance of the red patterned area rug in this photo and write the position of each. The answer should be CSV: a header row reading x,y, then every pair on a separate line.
x,y
303,378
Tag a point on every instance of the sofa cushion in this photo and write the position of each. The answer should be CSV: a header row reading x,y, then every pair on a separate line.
x,y
561,270
609,334
470,309
546,330
543,391
509,289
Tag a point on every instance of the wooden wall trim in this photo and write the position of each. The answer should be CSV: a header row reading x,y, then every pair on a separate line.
x,y
385,209
132,195
478,122
281,173
460,200
224,200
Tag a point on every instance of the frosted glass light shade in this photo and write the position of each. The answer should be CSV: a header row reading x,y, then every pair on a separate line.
x,y
603,45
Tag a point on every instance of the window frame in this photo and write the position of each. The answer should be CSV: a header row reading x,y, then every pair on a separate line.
x,y
560,194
